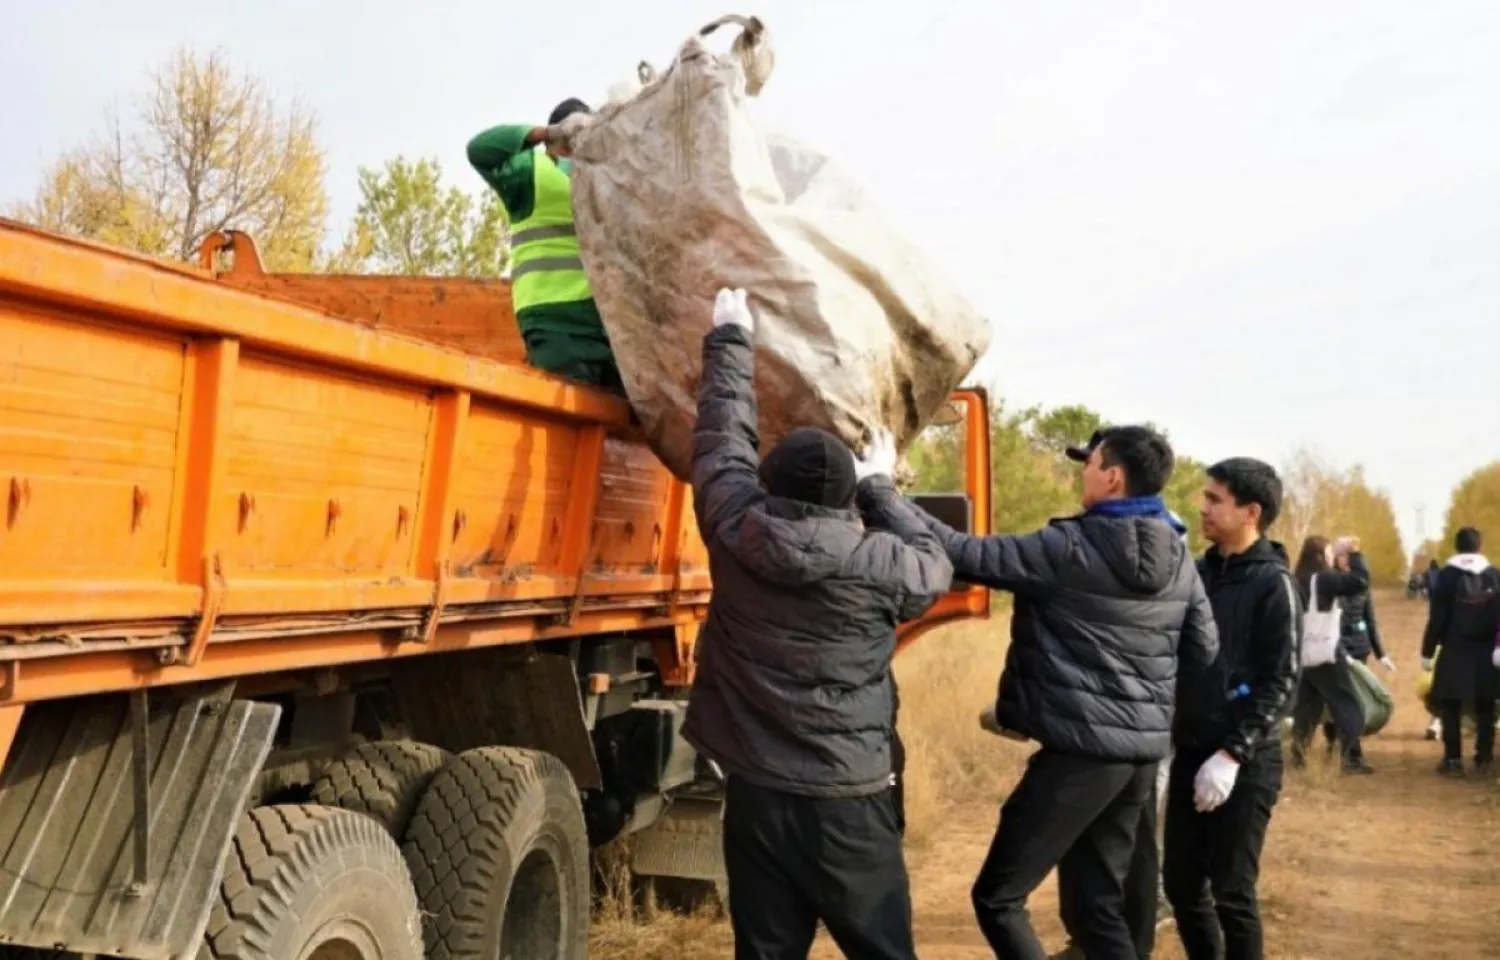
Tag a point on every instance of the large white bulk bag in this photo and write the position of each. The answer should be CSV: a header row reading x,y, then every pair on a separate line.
x,y
679,191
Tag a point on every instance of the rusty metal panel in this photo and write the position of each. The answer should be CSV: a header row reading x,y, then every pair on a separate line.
x,y
71,872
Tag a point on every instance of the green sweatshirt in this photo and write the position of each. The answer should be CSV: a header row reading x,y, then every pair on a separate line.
x,y
508,165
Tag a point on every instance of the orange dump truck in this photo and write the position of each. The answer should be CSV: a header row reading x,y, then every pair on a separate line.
x,y
328,630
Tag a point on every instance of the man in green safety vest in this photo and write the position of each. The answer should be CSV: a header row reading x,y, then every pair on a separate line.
x,y
554,304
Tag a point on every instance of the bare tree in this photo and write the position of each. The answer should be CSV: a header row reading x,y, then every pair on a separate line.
x,y
205,149
1321,499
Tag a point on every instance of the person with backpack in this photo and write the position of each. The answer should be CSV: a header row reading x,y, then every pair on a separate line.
x,y
1326,681
1464,619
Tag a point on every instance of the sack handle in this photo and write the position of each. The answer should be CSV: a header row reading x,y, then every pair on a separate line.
x,y
1312,589
751,25
752,47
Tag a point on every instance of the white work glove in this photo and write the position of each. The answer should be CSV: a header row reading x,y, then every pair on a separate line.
x,y
1214,782
879,459
1426,664
732,308
1495,658
1388,663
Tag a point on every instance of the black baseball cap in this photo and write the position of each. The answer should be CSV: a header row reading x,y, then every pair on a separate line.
x,y
1082,454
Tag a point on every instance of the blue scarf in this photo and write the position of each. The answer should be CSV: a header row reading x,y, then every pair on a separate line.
x,y
1138,507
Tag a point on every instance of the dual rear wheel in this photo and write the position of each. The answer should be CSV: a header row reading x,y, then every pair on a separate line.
x,y
408,853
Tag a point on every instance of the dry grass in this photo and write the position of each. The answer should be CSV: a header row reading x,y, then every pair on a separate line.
x,y
628,924
946,680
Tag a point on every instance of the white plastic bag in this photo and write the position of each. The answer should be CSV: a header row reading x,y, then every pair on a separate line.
x,y
1320,630
677,192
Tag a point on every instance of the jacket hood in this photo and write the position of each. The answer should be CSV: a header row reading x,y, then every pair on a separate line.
x,y
793,543
1469,562
1144,553
1264,551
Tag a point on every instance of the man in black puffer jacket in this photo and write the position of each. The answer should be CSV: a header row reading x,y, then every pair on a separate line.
x,y
793,693
1107,605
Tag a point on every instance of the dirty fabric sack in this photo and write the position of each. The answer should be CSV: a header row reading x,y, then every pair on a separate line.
x,y
1375,702
678,191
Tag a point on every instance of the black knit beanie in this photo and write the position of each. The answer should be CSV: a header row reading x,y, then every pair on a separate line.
x,y
812,466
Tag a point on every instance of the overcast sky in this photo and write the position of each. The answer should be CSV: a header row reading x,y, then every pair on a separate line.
x,y
1262,226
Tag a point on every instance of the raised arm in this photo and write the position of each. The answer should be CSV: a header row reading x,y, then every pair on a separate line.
x,y
725,460
1335,583
503,157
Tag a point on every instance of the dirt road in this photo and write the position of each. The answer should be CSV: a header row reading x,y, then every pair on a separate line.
x,y
1401,865
1397,865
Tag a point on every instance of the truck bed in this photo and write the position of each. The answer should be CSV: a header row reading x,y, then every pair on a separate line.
x,y
208,477
182,460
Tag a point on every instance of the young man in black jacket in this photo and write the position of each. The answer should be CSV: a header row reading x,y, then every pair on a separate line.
x,y
793,694
1227,773
1106,604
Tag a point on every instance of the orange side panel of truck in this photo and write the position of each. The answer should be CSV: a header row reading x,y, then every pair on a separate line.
x,y
206,478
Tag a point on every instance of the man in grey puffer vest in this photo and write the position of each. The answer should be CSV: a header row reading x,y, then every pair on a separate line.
x,y
792,697
1107,604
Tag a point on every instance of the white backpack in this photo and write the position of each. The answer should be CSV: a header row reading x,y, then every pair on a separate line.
x,y
1320,630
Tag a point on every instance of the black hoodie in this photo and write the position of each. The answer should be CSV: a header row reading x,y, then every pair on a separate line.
x,y
1259,615
1105,609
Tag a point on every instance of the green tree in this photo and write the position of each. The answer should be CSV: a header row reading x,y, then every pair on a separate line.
x,y
1029,485
1032,478
206,149
1475,503
1184,495
408,223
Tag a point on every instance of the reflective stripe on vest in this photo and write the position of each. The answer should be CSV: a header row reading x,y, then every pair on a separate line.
x,y
545,263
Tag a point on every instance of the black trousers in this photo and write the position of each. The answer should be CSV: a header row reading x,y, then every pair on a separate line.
x,y
1212,860
1141,884
1453,730
1328,686
1079,813
793,860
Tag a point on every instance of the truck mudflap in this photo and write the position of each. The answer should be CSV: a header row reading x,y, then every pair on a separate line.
x,y
686,842
82,870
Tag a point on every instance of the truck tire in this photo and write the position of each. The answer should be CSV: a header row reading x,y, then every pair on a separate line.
x,y
313,883
381,780
498,852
